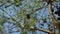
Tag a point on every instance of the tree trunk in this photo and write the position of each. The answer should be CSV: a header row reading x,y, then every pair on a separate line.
x,y
56,25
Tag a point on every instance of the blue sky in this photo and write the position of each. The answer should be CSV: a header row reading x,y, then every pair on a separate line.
x,y
39,13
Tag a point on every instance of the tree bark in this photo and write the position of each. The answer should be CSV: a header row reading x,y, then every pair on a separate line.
x,y
56,25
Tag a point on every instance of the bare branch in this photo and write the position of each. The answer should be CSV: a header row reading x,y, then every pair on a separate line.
x,y
40,29
17,23
40,8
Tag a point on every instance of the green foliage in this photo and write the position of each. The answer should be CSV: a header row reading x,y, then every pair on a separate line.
x,y
1,28
1,2
33,21
21,15
56,0
24,33
3,19
58,21
37,4
9,1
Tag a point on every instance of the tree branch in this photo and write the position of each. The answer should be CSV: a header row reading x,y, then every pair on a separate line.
x,y
56,25
40,29
51,15
17,23
40,8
